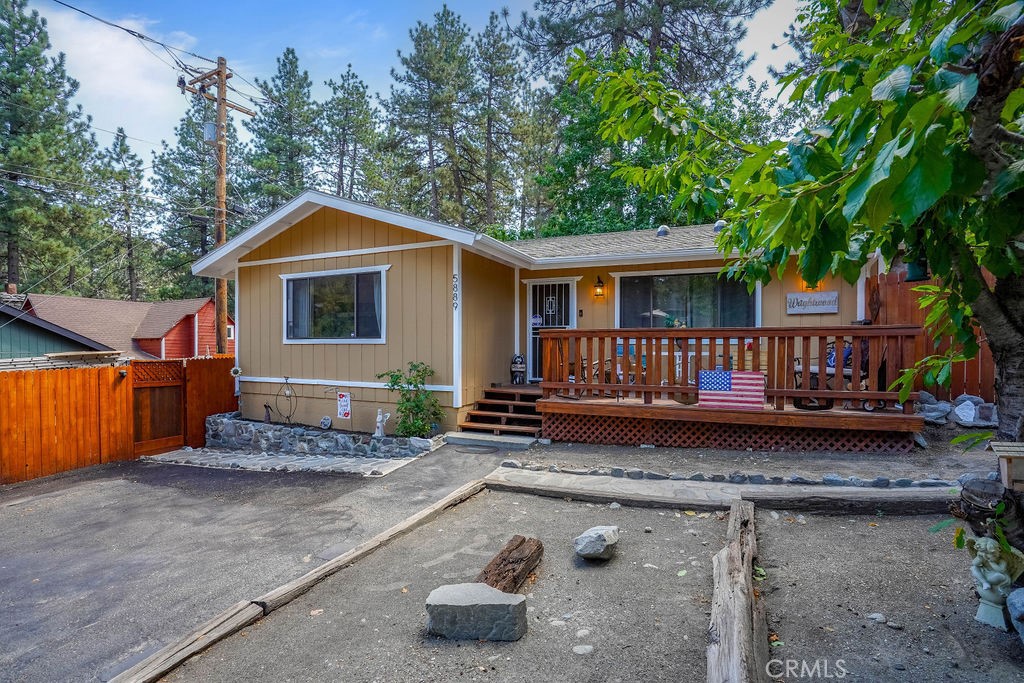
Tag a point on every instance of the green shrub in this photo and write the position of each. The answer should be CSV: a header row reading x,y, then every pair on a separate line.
x,y
418,408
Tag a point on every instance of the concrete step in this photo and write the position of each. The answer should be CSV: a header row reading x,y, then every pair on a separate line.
x,y
505,441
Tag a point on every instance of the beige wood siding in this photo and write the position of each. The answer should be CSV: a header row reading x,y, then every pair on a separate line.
x,y
600,313
418,318
488,299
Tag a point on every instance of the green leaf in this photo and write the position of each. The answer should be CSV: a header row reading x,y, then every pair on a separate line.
x,y
940,46
1003,18
959,538
970,440
961,94
944,524
869,177
894,86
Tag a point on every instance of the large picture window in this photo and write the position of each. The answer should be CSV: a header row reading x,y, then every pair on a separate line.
x,y
335,306
694,300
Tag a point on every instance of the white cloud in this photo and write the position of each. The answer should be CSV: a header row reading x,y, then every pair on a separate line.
x,y
763,31
121,82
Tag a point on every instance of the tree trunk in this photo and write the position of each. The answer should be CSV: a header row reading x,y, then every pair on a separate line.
x,y
512,566
435,195
13,257
340,186
133,276
977,507
352,168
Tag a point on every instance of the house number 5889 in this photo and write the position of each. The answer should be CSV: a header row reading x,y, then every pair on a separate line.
x,y
455,291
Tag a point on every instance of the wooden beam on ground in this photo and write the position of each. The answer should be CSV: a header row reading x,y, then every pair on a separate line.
x,y
512,566
291,590
157,665
736,653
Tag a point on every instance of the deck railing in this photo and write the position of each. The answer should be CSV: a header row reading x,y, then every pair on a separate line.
x,y
663,363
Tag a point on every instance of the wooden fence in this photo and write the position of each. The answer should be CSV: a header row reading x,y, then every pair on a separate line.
x,y
53,421
898,305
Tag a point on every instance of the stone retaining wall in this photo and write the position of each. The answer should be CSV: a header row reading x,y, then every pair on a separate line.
x,y
229,430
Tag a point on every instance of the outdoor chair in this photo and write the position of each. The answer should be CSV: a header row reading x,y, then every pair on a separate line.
x,y
845,368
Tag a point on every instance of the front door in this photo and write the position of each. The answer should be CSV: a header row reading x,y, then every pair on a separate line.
x,y
550,306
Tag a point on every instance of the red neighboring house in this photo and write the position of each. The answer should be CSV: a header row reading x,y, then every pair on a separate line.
x,y
143,330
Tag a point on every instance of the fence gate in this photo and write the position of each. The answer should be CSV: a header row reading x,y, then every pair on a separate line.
x,y
159,405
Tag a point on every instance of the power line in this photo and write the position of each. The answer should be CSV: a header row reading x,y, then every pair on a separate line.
x,y
88,124
137,34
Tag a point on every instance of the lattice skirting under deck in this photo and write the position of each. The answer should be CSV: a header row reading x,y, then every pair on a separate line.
x,y
634,431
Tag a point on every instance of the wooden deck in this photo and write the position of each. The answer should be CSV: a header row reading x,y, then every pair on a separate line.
x,y
666,409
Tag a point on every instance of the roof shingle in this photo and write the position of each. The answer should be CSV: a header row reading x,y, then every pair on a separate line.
x,y
614,243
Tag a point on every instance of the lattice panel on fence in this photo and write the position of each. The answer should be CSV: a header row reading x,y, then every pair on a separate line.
x,y
625,431
157,371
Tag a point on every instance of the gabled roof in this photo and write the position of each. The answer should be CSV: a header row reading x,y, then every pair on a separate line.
x,y
117,324
632,242
688,243
24,318
164,315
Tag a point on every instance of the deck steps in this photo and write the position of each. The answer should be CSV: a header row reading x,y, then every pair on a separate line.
x,y
505,410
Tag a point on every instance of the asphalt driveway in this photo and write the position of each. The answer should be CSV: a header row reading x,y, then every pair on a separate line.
x,y
100,567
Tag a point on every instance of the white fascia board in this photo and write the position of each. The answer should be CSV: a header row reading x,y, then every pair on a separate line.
x,y
221,262
551,263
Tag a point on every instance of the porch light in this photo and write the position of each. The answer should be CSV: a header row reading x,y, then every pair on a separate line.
x,y
806,286
599,288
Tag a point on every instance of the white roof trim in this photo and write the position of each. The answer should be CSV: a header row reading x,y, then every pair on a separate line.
x,y
223,261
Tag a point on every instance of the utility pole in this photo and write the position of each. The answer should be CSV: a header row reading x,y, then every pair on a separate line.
x,y
201,85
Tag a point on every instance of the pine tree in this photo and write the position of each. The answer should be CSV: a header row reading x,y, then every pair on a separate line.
x,y
45,199
283,131
129,211
184,178
496,60
345,136
538,133
433,103
696,41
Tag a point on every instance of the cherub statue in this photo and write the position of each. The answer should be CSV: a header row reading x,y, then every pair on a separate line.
x,y
994,572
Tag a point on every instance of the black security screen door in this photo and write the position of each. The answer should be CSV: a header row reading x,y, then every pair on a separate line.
x,y
550,309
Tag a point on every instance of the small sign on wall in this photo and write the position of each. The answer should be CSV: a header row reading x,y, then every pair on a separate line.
x,y
800,303
345,405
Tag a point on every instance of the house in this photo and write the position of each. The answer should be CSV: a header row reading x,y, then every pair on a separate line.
x,y
30,342
140,330
331,292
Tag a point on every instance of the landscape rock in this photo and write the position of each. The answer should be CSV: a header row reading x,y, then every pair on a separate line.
x,y
964,413
718,477
932,483
902,482
676,476
696,476
797,479
880,482
475,611
935,413
968,476
877,617
926,398
511,463
987,416
655,475
597,543
1015,605
968,398
920,440
758,479
737,478
833,479
553,468
635,473
618,472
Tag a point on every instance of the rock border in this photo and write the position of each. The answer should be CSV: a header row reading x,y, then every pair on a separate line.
x,y
831,479
231,431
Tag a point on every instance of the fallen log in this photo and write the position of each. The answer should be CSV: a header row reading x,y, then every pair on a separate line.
x,y
512,566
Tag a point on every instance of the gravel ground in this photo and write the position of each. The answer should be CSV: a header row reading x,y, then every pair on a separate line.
x,y
367,623
824,576
939,461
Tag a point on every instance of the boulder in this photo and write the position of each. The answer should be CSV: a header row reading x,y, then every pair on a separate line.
x,y
968,398
1015,605
987,416
597,543
475,611
964,414
935,413
926,398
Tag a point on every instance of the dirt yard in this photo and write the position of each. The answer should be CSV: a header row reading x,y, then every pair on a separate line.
x,y
644,613
826,574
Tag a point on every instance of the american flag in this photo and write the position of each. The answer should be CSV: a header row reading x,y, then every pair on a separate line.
x,y
740,389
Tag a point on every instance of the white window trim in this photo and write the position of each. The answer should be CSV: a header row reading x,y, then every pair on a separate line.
x,y
231,332
285,277
758,298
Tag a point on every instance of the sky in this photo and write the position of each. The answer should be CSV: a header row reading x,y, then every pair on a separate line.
x,y
124,83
